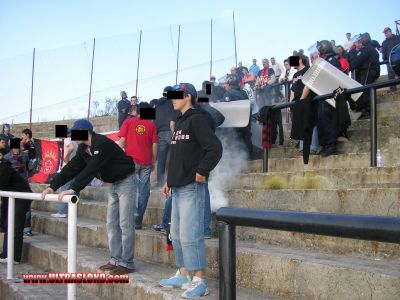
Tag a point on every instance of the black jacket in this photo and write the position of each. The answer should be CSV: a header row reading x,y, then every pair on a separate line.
x,y
388,45
235,94
11,181
213,115
108,163
367,58
194,149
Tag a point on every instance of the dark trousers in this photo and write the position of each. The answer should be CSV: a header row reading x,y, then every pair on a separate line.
x,y
164,141
363,103
391,75
21,208
277,124
326,124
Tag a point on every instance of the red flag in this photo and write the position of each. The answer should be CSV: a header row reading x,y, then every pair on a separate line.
x,y
48,158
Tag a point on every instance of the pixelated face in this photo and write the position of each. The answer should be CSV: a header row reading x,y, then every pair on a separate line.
x,y
179,104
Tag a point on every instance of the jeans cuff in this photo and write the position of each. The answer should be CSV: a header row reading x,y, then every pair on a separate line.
x,y
130,265
113,261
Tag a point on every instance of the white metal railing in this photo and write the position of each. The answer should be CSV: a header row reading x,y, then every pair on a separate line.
x,y
72,201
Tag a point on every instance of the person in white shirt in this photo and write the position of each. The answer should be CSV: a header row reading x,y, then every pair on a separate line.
x,y
70,148
278,68
349,43
287,75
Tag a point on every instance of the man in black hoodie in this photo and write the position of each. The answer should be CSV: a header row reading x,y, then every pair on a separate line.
x,y
10,180
195,151
98,156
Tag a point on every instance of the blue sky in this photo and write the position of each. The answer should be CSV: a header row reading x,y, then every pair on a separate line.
x,y
63,32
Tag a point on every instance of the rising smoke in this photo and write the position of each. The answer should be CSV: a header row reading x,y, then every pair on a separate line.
x,y
233,162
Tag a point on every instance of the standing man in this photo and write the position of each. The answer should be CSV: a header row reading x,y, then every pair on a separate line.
x,y
100,157
29,148
6,132
134,102
139,138
254,68
123,108
349,42
240,70
164,123
387,46
265,78
195,151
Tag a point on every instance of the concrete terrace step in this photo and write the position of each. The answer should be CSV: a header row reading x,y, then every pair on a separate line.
x,y
328,178
143,283
275,270
16,290
317,162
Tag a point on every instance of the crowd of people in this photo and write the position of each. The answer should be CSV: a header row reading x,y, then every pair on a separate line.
x,y
180,143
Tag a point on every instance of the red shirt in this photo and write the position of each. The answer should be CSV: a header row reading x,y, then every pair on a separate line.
x,y
140,136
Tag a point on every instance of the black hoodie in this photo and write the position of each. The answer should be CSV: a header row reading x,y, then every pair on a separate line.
x,y
164,114
194,149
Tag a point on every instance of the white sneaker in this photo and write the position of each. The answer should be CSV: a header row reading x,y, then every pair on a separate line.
x,y
57,215
4,261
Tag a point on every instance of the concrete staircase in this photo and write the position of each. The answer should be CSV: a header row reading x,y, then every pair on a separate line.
x,y
270,264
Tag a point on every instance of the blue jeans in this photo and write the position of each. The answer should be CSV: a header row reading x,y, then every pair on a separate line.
x,y
187,226
120,223
207,213
143,183
164,140
63,207
314,141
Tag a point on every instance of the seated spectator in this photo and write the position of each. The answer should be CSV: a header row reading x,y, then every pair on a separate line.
x,y
254,68
248,77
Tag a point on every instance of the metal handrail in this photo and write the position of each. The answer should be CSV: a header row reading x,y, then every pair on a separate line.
x,y
371,228
72,201
374,131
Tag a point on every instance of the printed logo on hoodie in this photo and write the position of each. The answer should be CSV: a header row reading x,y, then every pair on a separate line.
x,y
178,135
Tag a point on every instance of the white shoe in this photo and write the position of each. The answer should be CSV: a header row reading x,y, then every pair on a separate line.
x,y
4,261
57,215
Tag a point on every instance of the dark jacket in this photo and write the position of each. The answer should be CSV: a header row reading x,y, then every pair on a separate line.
x,y
10,180
108,163
213,115
194,149
125,105
366,61
388,45
235,94
164,114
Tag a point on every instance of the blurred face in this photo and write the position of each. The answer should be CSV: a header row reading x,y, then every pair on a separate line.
x,y
358,45
273,61
240,64
254,61
133,101
245,72
25,137
6,130
287,65
212,80
179,104
233,71
388,34
340,50
3,144
348,36
265,63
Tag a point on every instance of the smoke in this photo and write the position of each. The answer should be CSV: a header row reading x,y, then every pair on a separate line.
x,y
233,162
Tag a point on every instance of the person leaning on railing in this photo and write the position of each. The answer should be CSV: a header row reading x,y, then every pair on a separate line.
x,y
10,180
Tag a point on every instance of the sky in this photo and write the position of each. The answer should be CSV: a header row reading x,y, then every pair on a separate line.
x,y
62,34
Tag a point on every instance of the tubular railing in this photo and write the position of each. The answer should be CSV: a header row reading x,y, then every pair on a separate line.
x,y
72,201
371,88
371,228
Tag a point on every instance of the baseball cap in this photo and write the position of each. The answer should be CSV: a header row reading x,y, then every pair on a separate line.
x,y
82,124
387,29
187,88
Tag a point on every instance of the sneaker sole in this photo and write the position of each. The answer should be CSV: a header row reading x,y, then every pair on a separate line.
x,y
205,294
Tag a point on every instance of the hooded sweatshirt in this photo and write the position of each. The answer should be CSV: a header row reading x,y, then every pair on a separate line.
x,y
194,149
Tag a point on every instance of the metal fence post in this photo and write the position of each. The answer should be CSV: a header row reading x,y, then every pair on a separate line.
x,y
374,130
287,95
10,238
227,261
72,240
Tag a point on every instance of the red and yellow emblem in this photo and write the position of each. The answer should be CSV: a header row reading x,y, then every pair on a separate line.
x,y
140,129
